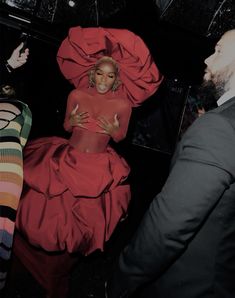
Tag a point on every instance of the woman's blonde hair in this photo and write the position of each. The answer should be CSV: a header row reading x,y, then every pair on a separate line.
x,y
104,59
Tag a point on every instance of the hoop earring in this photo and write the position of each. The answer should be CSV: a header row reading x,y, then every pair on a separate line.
x,y
115,86
91,81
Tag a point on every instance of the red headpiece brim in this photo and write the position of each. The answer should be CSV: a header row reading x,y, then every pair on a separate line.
x,y
82,48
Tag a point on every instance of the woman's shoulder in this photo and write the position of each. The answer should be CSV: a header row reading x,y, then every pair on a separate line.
x,y
123,103
78,93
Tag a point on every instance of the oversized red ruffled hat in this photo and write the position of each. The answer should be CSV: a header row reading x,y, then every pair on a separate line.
x,y
82,48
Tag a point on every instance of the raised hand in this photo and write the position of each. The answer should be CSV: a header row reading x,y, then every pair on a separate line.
x,y
17,59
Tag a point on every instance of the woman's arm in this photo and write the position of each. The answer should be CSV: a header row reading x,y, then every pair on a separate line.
x,y
8,112
73,116
70,106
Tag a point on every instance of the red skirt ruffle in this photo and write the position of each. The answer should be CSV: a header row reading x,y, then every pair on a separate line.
x,y
73,201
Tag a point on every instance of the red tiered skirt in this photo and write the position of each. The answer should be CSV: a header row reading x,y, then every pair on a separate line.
x,y
72,200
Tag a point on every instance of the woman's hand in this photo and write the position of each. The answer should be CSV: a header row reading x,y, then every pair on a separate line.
x,y
78,119
108,127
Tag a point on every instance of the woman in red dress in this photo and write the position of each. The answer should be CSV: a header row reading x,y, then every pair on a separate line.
x,y
76,189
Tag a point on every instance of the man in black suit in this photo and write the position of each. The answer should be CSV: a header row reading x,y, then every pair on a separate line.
x,y
185,244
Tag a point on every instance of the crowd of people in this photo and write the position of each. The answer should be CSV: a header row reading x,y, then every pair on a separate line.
x,y
77,191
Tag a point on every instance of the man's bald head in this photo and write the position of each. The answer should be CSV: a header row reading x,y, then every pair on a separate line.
x,y
220,69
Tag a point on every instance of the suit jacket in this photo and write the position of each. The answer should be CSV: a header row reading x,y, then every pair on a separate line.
x,y
185,244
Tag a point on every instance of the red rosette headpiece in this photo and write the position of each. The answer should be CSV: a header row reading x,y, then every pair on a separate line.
x,y
81,49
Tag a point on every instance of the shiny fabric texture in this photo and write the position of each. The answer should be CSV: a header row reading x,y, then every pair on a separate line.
x,y
72,200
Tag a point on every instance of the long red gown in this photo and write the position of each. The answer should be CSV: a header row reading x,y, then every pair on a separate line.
x,y
75,199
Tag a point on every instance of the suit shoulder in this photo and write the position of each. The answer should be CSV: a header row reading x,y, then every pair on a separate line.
x,y
210,119
210,126
228,111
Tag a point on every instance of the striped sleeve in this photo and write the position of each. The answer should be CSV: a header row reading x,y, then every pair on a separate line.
x,y
13,136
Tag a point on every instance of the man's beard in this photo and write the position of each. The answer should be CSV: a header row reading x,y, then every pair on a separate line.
x,y
208,94
211,90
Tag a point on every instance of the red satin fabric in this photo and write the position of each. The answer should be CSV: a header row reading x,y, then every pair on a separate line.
x,y
74,200
84,46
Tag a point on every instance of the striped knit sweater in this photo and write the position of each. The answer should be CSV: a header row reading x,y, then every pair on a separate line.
x,y
15,124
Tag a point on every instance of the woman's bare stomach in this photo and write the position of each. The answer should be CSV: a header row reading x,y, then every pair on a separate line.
x,y
89,142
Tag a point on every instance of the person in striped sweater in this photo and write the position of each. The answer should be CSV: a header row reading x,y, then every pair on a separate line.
x,y
18,58
15,124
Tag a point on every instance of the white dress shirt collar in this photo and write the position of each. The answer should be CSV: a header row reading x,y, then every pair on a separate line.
x,y
226,96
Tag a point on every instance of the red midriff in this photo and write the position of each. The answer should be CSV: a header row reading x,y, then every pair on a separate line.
x,y
88,141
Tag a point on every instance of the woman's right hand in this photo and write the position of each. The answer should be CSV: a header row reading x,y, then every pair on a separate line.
x,y
78,119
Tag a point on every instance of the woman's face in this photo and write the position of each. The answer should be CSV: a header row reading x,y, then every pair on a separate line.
x,y
105,76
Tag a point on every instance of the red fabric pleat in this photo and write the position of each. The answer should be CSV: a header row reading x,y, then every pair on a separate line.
x,y
82,48
72,201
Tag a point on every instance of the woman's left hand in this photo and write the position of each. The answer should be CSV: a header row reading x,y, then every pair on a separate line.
x,y
108,127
